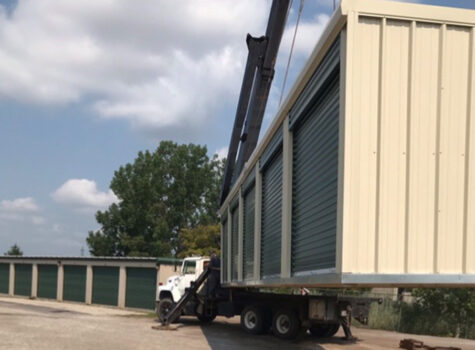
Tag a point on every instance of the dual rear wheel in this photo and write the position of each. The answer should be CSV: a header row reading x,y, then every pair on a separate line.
x,y
257,320
285,323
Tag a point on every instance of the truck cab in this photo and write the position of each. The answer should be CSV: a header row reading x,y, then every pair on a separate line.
x,y
176,285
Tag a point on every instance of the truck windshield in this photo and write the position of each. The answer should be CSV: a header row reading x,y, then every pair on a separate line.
x,y
189,268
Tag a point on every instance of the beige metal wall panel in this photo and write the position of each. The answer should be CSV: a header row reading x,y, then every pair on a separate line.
x,y
422,148
470,155
407,179
452,147
392,146
361,147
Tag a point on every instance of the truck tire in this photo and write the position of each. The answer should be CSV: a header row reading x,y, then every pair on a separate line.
x,y
324,330
253,319
164,307
203,317
286,324
332,330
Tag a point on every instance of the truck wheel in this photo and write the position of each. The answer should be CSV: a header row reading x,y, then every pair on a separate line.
x,y
164,307
253,319
286,324
203,316
324,330
318,330
332,329
206,318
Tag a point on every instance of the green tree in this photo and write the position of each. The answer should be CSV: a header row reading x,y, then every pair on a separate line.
x,y
454,307
14,251
160,193
199,240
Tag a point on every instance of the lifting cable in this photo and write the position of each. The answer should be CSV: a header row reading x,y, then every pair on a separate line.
x,y
302,2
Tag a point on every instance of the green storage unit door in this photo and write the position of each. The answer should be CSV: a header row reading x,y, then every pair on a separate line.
x,y
74,284
47,281
248,233
141,287
315,183
4,278
105,285
23,279
271,226
234,242
224,252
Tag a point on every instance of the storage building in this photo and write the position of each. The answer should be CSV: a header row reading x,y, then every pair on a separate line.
x,y
366,176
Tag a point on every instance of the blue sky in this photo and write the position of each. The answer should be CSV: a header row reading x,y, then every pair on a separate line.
x,y
85,85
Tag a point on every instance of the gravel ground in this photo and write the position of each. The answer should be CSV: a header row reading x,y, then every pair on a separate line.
x,y
39,324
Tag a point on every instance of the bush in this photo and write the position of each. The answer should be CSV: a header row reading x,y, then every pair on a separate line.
x,y
448,313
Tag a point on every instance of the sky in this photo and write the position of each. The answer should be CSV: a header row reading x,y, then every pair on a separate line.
x,y
85,85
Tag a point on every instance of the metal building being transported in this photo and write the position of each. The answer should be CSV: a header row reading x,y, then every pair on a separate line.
x,y
366,175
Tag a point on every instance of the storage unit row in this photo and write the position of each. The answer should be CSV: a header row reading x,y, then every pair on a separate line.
x,y
91,283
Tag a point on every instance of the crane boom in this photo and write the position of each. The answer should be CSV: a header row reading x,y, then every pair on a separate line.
x,y
254,94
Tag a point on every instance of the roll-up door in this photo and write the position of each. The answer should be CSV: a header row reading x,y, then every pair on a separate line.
x,y
248,232
4,278
74,284
47,281
23,279
141,287
105,285
234,242
315,182
271,216
224,250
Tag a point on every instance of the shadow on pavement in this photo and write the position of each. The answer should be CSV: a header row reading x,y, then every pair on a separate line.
x,y
223,334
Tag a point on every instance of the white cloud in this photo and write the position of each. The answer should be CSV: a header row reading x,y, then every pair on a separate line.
x,y
308,34
19,205
38,220
222,152
21,210
153,63
328,3
83,194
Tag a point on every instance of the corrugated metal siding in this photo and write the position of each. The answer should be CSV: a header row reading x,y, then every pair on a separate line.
x,y
315,184
4,278
274,146
23,274
47,281
271,238
234,242
141,287
74,284
470,156
452,148
423,147
407,179
316,84
250,180
105,285
225,253
248,232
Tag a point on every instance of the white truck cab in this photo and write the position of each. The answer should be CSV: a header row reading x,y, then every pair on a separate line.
x,y
175,286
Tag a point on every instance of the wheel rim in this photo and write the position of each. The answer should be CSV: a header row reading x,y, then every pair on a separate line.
x,y
283,324
250,320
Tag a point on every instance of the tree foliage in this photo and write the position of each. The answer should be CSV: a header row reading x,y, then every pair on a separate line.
x,y
448,312
14,251
160,193
454,306
200,240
